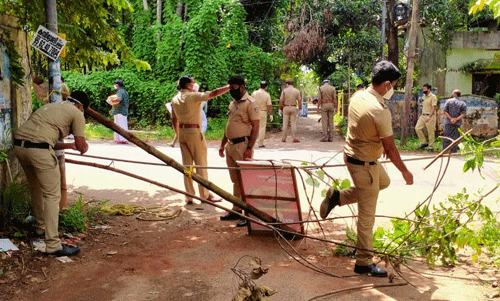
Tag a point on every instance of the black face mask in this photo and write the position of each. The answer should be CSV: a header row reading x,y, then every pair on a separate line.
x,y
235,93
426,92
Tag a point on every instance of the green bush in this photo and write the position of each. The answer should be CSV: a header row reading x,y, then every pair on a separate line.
x,y
76,218
15,205
73,219
147,95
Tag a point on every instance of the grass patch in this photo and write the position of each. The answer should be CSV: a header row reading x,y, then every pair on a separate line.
x,y
97,131
412,144
215,129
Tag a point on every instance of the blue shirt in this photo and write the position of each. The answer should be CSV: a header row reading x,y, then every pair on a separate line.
x,y
122,107
455,107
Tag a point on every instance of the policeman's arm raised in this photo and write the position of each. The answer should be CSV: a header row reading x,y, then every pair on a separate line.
x,y
218,92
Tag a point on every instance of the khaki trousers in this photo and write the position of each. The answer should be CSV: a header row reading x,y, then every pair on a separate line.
x,y
42,171
368,180
262,128
430,126
327,112
194,150
234,152
289,115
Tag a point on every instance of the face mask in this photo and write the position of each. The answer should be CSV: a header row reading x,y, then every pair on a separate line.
x,y
426,92
235,93
389,93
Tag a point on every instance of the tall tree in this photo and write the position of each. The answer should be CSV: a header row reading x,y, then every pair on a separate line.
x,y
90,29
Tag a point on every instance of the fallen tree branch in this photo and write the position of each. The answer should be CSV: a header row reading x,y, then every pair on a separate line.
x,y
181,168
359,287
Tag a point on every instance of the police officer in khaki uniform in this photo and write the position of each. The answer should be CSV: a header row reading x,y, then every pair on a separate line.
x,y
369,134
427,119
288,106
263,100
186,107
34,145
327,105
241,133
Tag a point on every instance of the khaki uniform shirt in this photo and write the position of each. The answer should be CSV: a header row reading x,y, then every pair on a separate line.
x,y
262,98
369,120
187,106
239,116
327,93
290,96
428,101
52,122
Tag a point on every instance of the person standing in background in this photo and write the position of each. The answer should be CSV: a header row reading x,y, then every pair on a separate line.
x,y
455,110
288,106
263,100
327,105
120,110
427,119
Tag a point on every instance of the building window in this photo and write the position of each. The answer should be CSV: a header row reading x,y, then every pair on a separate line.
x,y
487,84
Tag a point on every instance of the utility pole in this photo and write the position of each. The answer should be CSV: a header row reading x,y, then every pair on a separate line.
x,y
409,70
55,84
384,17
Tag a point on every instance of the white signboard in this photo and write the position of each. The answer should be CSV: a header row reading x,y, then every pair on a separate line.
x,y
48,42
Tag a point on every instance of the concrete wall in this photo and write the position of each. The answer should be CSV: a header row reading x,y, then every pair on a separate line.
x,y
15,101
395,104
481,116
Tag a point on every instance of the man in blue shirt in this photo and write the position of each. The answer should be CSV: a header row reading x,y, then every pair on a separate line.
x,y
455,110
120,110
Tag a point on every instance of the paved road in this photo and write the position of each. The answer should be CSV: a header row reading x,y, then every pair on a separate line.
x,y
395,200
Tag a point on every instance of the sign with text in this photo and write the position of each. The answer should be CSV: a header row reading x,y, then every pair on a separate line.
x,y
271,188
48,42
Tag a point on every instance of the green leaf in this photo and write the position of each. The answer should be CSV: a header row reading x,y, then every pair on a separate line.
x,y
312,182
345,184
320,174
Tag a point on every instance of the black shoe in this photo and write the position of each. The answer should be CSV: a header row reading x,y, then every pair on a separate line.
x,y
242,223
430,149
422,146
66,251
331,200
371,270
230,217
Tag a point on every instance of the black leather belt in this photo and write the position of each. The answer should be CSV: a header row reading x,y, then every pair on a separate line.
x,y
238,140
425,114
29,144
359,162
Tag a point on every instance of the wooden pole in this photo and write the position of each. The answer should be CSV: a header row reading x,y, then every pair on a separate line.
x,y
409,70
176,165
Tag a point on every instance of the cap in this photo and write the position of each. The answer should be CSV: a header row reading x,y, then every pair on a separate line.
x,y
79,97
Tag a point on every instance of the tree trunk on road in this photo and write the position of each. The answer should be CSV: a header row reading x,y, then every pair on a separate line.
x,y
179,167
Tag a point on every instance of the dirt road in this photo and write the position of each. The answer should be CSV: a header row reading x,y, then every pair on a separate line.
x,y
190,257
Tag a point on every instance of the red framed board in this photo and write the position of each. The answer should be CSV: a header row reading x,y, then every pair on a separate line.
x,y
271,188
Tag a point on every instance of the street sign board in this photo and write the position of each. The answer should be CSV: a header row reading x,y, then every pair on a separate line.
x,y
48,42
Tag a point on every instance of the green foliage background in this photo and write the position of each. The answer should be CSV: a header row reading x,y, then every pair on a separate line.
x,y
211,45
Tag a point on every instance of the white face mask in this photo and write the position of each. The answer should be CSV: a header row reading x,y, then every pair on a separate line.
x,y
389,93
